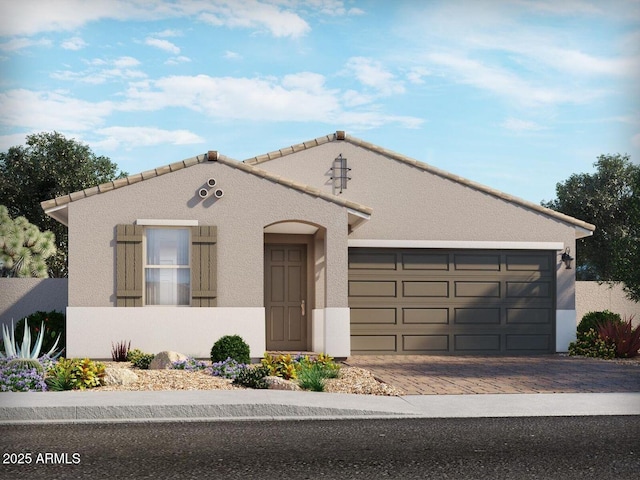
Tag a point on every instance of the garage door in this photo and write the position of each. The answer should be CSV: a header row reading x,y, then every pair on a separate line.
x,y
451,302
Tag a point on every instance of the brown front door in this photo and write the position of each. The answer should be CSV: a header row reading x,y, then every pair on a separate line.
x,y
286,296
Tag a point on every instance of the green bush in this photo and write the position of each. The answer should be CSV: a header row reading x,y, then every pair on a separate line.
x,y
230,346
312,377
591,320
139,359
75,374
54,325
252,377
589,344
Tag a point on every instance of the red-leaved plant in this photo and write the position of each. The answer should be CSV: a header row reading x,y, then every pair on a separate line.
x,y
625,338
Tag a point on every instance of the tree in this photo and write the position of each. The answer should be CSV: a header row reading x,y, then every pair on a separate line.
x,y
23,248
48,166
610,199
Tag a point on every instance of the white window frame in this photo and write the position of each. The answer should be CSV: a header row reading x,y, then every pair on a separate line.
x,y
188,267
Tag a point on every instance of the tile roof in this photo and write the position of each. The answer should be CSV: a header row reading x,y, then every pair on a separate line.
x,y
64,200
342,136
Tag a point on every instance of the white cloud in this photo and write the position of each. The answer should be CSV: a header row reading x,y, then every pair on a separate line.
x,y
416,74
177,60
229,55
119,68
29,17
372,74
635,140
74,43
507,83
165,45
21,43
168,33
40,111
518,125
134,137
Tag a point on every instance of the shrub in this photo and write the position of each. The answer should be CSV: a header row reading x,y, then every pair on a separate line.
x,y
229,368
54,327
230,346
589,344
284,366
20,377
625,338
252,377
120,351
190,365
288,367
24,350
75,374
139,359
311,377
591,320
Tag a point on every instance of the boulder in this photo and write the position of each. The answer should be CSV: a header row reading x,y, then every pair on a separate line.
x,y
278,383
163,360
119,376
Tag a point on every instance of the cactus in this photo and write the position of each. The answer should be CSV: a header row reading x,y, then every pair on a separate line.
x,y
27,363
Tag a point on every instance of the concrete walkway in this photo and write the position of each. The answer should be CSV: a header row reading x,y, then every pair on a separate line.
x,y
222,405
448,375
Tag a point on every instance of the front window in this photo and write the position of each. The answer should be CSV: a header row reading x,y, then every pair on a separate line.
x,y
167,269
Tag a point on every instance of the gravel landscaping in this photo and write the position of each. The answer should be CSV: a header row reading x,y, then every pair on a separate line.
x,y
351,380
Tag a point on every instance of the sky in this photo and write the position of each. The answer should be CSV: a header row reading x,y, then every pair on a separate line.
x,y
513,94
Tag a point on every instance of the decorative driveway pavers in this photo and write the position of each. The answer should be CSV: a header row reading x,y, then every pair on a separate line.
x,y
455,375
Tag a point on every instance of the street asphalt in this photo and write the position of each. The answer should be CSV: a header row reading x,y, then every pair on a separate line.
x,y
225,405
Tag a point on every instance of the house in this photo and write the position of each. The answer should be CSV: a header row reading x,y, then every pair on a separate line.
x,y
333,245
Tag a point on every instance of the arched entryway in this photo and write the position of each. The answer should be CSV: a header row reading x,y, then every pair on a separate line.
x,y
293,269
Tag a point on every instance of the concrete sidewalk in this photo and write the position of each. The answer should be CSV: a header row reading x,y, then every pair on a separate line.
x,y
221,405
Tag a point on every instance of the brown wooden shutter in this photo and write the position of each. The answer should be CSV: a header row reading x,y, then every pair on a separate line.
x,y
129,266
204,266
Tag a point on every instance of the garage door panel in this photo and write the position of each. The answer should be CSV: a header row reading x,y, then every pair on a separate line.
x,y
425,261
425,289
487,343
378,316
477,289
528,342
536,289
533,263
425,315
492,302
364,288
486,262
372,261
477,316
425,343
528,316
379,343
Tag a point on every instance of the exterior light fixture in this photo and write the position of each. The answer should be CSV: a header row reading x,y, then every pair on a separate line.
x,y
566,258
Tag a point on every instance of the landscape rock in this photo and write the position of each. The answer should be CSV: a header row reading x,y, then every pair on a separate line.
x,y
278,383
163,360
119,376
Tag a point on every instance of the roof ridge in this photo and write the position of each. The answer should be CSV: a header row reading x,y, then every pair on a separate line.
x,y
341,135
212,155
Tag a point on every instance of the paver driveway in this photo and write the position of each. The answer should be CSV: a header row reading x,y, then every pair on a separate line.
x,y
447,375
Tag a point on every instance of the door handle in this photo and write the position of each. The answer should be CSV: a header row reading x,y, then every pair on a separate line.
x,y
302,307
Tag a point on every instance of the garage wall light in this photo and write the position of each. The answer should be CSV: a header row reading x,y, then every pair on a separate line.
x,y
566,258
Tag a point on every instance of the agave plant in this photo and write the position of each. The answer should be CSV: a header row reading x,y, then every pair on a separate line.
x,y
12,349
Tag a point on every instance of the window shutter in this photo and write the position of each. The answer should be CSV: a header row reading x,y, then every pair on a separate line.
x,y
129,266
204,265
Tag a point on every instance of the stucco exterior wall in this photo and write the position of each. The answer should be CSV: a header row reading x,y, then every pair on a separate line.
x,y
248,205
20,297
592,297
409,204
